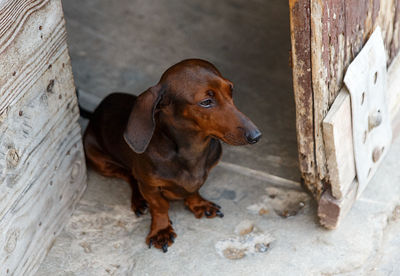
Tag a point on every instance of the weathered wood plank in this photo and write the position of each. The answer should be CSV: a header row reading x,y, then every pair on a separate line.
x,y
393,87
301,61
42,167
336,120
395,44
338,31
394,93
22,66
13,15
335,31
319,78
333,208
366,80
396,126
338,135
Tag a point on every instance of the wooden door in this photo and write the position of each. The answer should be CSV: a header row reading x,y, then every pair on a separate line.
x,y
326,36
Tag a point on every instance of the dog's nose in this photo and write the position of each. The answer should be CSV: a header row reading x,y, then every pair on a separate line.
x,y
252,137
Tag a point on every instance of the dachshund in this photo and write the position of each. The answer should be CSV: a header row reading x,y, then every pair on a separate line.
x,y
165,141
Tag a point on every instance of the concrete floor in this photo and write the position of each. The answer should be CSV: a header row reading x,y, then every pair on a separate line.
x,y
126,47
270,225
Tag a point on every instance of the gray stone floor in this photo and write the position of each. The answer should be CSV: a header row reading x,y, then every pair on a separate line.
x,y
127,46
270,225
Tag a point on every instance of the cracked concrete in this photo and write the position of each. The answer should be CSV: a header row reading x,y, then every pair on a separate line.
x,y
105,238
270,225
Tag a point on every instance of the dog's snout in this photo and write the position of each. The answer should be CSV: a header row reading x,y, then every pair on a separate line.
x,y
253,136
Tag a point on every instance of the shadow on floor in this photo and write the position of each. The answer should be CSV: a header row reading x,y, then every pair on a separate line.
x,y
127,46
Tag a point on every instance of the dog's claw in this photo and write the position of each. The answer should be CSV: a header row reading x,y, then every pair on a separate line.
x,y
170,222
219,213
207,213
216,205
162,238
138,213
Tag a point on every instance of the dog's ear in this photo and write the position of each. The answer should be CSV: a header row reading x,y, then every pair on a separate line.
x,y
141,123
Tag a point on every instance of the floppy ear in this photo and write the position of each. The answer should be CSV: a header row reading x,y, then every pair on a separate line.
x,y
141,124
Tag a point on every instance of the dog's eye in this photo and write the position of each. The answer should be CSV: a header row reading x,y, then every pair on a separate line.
x,y
206,103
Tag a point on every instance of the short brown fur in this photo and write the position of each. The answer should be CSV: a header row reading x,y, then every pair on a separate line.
x,y
165,141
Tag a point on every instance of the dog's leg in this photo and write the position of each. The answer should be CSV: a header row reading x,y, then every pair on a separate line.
x,y
139,204
199,206
161,233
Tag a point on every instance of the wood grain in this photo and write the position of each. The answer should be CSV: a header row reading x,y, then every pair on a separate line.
x,y
349,25
338,139
42,166
394,95
393,88
333,206
338,29
366,79
301,61
332,211
22,66
326,36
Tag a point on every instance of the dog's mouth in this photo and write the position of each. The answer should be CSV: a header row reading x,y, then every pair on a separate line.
x,y
233,140
245,137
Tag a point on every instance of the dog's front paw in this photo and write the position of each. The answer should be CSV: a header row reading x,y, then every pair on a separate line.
x,y
204,207
161,239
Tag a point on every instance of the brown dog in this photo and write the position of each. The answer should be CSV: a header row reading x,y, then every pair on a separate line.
x,y
165,141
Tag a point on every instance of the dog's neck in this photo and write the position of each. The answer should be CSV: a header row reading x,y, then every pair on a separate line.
x,y
191,145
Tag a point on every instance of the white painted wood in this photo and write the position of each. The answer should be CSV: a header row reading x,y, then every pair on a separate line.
x,y
334,121
366,79
393,88
340,206
42,167
338,134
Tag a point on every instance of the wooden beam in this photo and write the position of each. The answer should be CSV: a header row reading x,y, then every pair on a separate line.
x,y
300,31
394,87
338,134
396,126
327,29
42,165
394,94
331,210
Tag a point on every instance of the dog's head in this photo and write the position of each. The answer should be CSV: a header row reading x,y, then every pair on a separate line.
x,y
192,94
